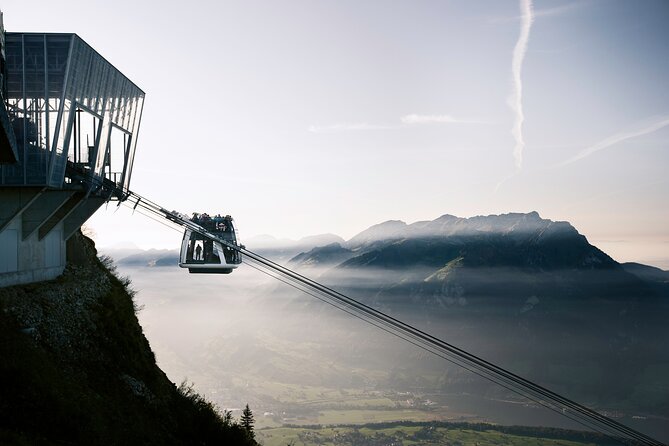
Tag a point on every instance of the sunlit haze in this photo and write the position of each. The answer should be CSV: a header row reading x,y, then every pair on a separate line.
x,y
309,117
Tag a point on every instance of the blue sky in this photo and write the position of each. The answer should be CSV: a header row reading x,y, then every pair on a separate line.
x,y
305,117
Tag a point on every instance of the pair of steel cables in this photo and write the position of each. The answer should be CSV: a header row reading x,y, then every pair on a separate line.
x,y
563,406
525,388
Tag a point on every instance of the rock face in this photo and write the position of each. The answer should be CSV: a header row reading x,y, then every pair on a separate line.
x,y
77,369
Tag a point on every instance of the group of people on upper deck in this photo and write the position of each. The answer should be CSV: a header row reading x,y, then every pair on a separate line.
x,y
217,223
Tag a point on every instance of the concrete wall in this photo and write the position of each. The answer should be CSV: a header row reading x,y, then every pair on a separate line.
x,y
35,224
30,260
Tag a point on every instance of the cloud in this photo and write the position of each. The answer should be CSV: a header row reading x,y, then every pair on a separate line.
x,y
545,12
516,99
433,119
615,139
343,127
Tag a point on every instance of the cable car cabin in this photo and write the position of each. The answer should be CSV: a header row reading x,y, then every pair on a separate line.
x,y
203,254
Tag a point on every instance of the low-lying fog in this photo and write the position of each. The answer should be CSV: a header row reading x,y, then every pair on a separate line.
x,y
245,337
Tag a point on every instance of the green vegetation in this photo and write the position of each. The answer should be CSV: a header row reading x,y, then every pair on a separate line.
x,y
425,434
76,368
247,421
372,416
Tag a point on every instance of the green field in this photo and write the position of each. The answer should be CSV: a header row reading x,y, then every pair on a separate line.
x,y
403,435
371,416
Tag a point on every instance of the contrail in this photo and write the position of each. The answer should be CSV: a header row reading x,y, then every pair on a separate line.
x,y
615,139
516,98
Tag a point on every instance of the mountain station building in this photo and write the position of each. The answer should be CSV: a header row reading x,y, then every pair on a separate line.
x,y
68,133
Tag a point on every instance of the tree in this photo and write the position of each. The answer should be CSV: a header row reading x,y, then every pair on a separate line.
x,y
247,421
227,418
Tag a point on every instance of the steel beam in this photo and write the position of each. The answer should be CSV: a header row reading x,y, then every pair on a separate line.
x,y
14,200
78,216
61,214
42,209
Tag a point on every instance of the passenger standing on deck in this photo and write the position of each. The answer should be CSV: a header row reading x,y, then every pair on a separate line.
x,y
198,252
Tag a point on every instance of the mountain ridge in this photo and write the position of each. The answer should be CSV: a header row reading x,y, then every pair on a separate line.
x,y
513,230
324,250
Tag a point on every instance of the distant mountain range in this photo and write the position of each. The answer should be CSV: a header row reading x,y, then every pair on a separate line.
x,y
519,240
284,249
462,265
443,247
520,290
457,258
280,250
151,257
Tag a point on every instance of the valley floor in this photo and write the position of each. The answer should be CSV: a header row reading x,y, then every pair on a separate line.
x,y
427,434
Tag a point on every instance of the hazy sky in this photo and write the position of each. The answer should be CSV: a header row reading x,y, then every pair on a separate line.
x,y
306,117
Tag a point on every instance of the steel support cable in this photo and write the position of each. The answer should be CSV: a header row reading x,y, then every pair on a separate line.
x,y
575,417
610,427
468,357
400,334
379,324
151,217
337,304
416,333
264,270
388,328
515,387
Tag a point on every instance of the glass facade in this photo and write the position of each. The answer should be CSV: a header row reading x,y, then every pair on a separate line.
x,y
67,103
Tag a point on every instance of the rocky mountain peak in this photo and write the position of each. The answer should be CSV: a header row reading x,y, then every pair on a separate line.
x,y
513,240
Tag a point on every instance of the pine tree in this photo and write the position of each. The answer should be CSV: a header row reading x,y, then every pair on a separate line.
x,y
247,421
227,418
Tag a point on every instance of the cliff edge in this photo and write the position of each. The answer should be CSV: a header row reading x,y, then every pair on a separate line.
x,y
75,367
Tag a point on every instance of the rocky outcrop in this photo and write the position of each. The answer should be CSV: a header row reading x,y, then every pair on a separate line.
x,y
77,369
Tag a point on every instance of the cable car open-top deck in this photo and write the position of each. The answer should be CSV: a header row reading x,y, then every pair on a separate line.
x,y
213,253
